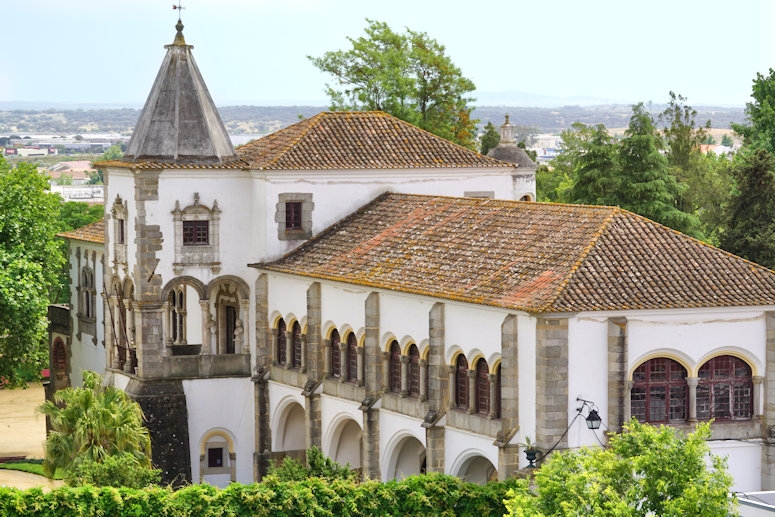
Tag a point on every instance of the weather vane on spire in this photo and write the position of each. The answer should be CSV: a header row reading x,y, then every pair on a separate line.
x,y
179,7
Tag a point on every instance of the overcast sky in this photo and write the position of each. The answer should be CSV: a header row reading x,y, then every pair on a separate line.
x,y
254,51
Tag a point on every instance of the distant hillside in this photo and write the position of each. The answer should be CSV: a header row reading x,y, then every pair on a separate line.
x,y
266,119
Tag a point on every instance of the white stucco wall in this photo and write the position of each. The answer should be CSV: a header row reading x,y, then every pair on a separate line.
x,y
85,354
462,446
394,428
744,461
337,194
224,405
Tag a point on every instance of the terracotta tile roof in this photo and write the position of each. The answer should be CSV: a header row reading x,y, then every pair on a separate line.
x,y
357,140
537,257
94,232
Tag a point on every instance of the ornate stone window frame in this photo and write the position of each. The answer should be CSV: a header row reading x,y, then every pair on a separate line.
x,y
294,233
197,256
119,213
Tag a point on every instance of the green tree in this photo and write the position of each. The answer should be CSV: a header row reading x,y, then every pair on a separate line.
x,y
121,470
645,184
92,423
644,471
65,179
759,132
726,141
682,135
406,75
749,229
489,139
30,262
317,465
595,169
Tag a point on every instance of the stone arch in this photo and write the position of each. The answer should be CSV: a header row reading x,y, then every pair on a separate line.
x,y
228,315
405,455
195,283
740,353
217,458
473,466
451,354
424,347
387,340
679,357
405,342
289,433
345,441
474,355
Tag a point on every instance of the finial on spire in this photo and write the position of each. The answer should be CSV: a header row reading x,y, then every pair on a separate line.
x,y
179,40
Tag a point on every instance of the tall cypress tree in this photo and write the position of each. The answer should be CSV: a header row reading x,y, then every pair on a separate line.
x,y
596,170
644,184
750,219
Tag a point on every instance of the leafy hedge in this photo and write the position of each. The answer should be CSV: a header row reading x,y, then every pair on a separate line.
x,y
432,494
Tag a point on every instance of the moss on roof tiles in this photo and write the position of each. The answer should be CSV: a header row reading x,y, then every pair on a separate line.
x,y
536,257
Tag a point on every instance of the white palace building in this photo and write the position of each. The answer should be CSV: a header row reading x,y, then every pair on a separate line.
x,y
354,283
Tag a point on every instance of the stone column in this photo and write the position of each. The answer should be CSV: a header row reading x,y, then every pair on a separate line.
x,y
373,352
312,360
451,383
344,359
692,382
303,365
204,305
423,380
492,379
628,401
768,420
288,348
327,358
264,356
617,372
359,365
758,381
508,453
551,383
386,371
404,375
471,391
438,401
245,317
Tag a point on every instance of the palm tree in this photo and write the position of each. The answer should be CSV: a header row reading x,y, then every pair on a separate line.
x,y
92,423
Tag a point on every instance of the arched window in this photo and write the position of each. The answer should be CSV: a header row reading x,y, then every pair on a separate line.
x,y
395,367
659,391
336,355
482,387
352,358
177,315
282,345
725,389
461,382
88,293
296,357
414,371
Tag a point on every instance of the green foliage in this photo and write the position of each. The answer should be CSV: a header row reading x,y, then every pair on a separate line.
x,y
595,169
406,75
318,465
74,214
33,466
489,139
726,141
439,495
645,471
120,470
749,229
645,185
30,262
759,133
92,423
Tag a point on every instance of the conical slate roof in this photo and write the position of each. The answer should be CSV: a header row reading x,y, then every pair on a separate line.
x,y
179,123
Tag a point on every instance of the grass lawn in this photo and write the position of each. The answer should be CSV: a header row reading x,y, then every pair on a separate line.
x,y
31,466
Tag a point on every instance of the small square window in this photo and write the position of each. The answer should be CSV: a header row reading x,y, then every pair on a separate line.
x,y
196,233
293,215
215,457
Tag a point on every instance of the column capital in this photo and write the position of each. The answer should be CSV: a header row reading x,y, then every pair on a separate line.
x,y
692,382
